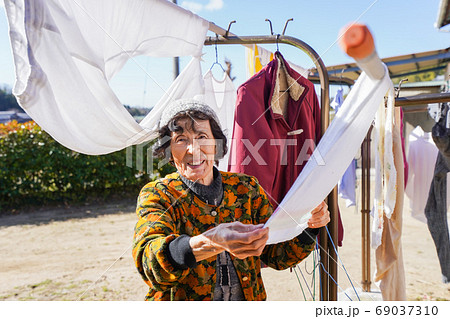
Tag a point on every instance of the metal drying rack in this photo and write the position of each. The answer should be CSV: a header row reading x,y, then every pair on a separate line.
x,y
327,254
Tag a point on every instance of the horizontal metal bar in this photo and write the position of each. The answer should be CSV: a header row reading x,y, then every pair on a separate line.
x,y
419,110
420,71
264,39
445,55
439,56
423,99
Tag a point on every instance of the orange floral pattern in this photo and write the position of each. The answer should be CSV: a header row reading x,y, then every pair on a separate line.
x,y
167,209
241,189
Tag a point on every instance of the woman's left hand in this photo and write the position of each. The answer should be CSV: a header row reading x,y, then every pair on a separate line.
x,y
320,216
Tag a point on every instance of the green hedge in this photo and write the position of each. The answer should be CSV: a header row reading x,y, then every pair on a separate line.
x,y
37,170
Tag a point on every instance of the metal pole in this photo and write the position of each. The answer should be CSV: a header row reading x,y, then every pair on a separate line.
x,y
363,206
176,67
176,60
365,212
369,205
324,278
333,266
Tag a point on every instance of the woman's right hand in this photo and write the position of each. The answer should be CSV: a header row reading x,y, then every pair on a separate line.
x,y
240,240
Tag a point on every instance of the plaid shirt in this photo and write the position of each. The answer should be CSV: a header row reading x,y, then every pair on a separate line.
x,y
167,209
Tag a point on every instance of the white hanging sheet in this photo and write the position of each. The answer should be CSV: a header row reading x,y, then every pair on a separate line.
x,y
422,156
66,51
385,172
188,84
330,159
221,96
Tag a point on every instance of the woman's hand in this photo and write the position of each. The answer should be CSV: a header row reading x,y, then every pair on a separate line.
x,y
320,216
240,240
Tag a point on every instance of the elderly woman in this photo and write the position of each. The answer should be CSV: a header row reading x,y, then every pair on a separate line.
x,y
200,232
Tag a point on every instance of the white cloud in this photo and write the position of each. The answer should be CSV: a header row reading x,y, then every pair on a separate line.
x,y
212,5
192,6
2,4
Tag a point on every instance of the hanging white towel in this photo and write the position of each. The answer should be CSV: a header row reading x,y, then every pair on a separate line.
x,y
330,159
65,52
188,84
389,273
422,156
385,173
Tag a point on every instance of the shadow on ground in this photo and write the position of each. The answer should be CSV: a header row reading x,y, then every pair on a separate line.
x,y
45,215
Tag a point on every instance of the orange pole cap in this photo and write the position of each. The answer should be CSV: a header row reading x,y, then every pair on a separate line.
x,y
357,41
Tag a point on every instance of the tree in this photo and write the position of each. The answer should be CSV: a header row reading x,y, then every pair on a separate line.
x,y
8,101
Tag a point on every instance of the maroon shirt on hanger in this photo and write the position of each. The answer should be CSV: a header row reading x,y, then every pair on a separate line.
x,y
265,144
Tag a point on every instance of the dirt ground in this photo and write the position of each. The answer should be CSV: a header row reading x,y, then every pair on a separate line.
x,y
84,253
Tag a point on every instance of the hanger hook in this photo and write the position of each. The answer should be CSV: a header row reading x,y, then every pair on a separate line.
x,y
285,26
215,47
229,27
217,55
271,30
278,38
397,93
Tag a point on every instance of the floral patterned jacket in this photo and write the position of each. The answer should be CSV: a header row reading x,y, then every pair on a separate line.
x,y
167,209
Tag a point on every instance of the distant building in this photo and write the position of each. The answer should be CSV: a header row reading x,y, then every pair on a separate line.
x,y
8,116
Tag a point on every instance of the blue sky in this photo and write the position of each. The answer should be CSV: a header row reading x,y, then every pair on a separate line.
x,y
399,27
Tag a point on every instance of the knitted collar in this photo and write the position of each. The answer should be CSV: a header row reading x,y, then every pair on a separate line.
x,y
211,194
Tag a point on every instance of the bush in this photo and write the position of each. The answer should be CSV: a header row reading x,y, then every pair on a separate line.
x,y
37,170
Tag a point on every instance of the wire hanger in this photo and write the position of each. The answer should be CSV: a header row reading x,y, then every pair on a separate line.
x,y
271,32
217,57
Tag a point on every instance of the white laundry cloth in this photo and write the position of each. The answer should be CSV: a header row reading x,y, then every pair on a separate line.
x,y
66,51
385,172
221,96
389,273
422,156
334,153
188,84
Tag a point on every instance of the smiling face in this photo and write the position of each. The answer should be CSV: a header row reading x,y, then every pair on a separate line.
x,y
193,150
